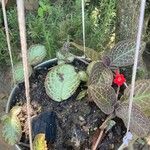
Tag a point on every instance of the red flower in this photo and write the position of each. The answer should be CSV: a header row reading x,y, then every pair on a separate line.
x,y
119,78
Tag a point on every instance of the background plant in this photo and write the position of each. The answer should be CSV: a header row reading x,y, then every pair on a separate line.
x,y
53,22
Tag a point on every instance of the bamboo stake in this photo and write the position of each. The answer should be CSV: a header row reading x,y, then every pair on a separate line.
x,y
22,28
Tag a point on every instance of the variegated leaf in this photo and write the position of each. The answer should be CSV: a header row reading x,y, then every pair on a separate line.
x,y
141,95
104,97
123,53
100,74
39,142
61,82
90,53
139,125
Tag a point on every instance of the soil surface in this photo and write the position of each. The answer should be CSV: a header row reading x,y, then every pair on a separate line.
x,y
75,120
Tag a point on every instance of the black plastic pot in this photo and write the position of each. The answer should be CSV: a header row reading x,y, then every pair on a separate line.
x,y
47,64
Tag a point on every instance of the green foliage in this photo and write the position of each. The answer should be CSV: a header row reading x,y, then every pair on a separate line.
x,y
52,23
19,72
11,126
139,122
61,82
63,55
100,74
36,54
89,53
83,76
39,142
81,95
122,53
104,96
141,95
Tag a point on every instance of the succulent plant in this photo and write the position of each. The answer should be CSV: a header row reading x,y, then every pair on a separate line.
x,y
61,82
19,73
36,54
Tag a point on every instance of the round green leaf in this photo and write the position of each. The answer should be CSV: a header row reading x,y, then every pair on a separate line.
x,y
61,82
36,54
19,72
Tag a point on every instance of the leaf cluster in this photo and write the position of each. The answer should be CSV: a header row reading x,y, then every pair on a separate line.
x,y
100,88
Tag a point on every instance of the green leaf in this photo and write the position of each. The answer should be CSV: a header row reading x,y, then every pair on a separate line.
x,y
36,54
104,97
11,126
61,82
139,125
123,53
89,53
81,95
141,95
100,74
83,76
39,142
19,72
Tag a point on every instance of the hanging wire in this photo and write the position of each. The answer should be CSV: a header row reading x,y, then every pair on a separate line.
x,y
83,25
8,39
138,43
22,28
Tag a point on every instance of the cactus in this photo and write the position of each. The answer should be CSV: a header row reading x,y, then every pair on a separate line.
x,y
19,73
36,54
61,82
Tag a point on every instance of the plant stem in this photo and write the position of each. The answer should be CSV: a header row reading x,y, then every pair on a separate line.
x,y
102,128
117,94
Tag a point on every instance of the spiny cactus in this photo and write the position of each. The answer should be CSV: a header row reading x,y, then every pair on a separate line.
x,y
36,54
61,82
19,73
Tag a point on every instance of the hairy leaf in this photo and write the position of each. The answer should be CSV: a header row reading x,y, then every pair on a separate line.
x,y
100,74
140,124
39,142
104,97
123,53
36,54
19,73
61,82
90,53
12,127
141,95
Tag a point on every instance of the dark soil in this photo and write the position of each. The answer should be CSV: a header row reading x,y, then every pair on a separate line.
x,y
76,120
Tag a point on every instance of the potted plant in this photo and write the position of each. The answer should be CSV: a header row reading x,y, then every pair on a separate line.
x,y
76,103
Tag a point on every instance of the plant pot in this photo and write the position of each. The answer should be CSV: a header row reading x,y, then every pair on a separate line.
x,y
77,120
11,102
